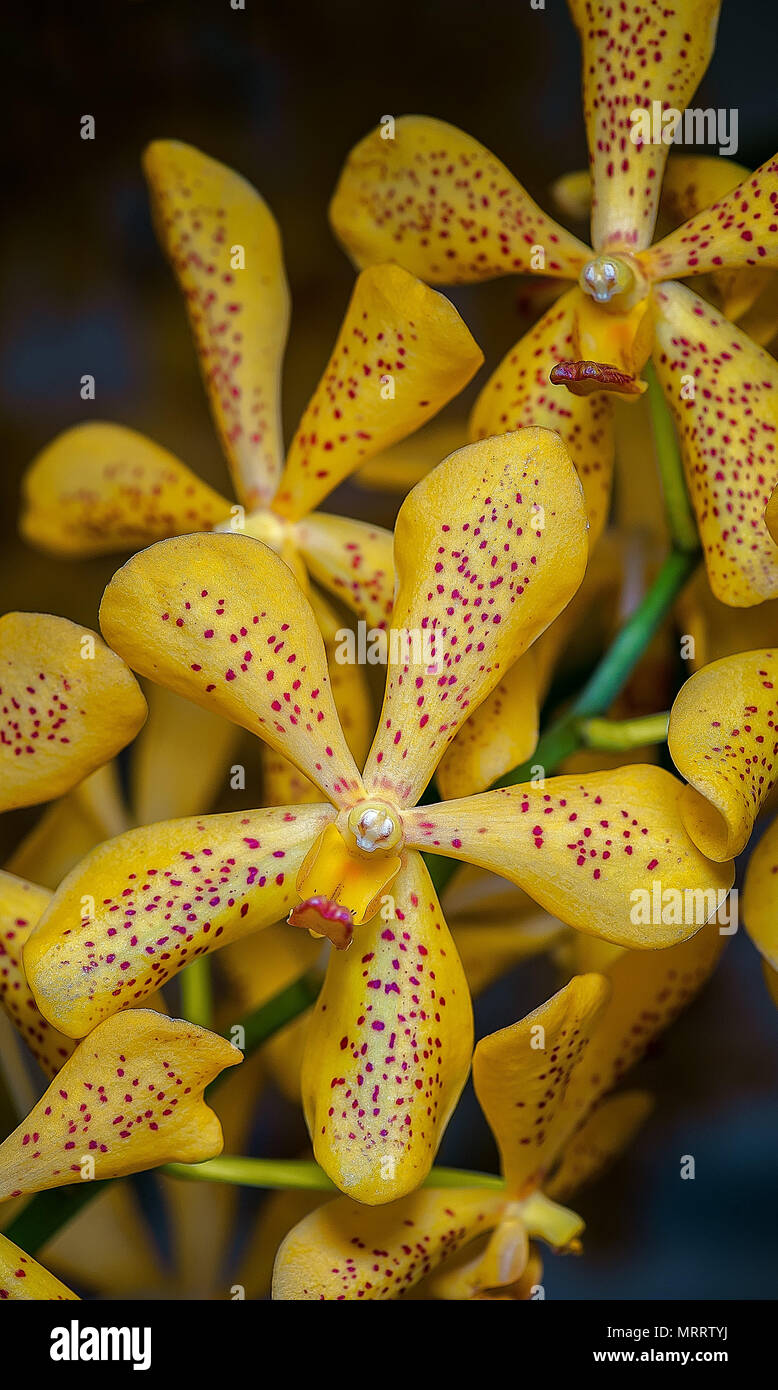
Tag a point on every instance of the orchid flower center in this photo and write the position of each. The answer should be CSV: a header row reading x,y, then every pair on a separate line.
x,y
606,277
374,827
350,868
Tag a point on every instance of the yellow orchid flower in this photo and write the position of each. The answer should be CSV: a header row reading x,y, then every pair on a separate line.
x,y
440,204
23,1278
218,618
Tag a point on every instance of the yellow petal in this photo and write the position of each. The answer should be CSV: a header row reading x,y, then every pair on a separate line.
x,y
344,1251
402,353
727,433
399,469
488,549
21,906
221,620
353,560
521,1075
98,488
587,849
519,393
166,780
722,740
760,897
21,1277
67,705
130,1097
108,1247
633,56
70,827
388,1048
502,733
495,926
141,906
608,1130
716,629
442,205
224,247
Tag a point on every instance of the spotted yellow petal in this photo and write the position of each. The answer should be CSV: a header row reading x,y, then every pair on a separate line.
x,y
608,1130
344,1251
402,353
67,705
225,250
182,759
723,392
129,1098
353,560
519,393
388,1049
221,620
99,488
22,904
140,907
722,739
715,629
586,849
760,897
635,54
500,734
442,205
21,1277
488,549
70,827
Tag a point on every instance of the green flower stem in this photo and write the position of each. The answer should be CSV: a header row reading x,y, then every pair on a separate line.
x,y
197,992
680,518
299,1174
260,1025
620,735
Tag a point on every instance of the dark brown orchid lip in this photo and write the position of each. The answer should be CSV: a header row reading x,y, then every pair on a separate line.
x,y
582,378
325,918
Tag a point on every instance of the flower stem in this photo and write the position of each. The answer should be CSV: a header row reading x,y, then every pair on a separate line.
x,y
197,993
620,735
299,1174
680,518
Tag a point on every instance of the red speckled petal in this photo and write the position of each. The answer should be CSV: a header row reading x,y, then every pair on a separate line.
x,y
605,1134
728,436
21,906
519,393
100,488
353,560
129,1098
442,205
635,53
21,1278
206,216
222,620
67,705
737,232
143,905
489,547
388,1048
760,897
402,353
344,1251
581,848
722,738
521,1075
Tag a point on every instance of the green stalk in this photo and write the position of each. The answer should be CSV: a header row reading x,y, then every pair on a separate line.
x,y
303,1175
680,517
197,992
621,735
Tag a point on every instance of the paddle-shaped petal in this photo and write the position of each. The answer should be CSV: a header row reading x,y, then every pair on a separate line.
x,y
98,488
603,1136
723,392
488,549
67,705
353,560
21,1277
760,897
222,620
388,1048
589,850
140,907
22,904
402,353
442,205
166,780
224,247
635,54
722,738
129,1098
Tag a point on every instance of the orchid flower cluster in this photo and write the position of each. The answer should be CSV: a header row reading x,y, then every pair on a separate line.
x,y
329,940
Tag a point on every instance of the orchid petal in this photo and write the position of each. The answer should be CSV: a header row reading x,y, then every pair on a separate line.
x,y
67,705
221,620
715,629
495,926
22,904
353,560
760,897
167,780
21,1277
488,549
502,733
607,1131
70,827
210,220
404,465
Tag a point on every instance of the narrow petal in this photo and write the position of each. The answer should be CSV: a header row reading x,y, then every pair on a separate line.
x,y
388,1049
608,1130
22,904
760,897
634,55
67,705
99,488
488,549
738,231
167,781
519,393
21,1277
129,1098
521,1075
502,733
140,907
353,560
344,1251
221,620
723,392
589,850
70,827
495,926
722,739
224,247
402,353
442,205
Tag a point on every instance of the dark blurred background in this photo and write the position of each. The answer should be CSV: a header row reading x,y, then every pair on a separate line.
x,y
281,93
